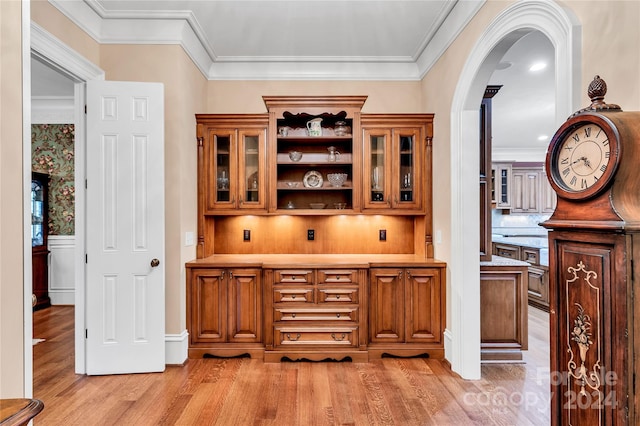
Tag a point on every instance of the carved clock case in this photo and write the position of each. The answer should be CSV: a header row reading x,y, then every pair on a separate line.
x,y
593,164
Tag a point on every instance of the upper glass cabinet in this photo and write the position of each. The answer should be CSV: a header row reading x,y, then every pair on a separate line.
x,y
234,163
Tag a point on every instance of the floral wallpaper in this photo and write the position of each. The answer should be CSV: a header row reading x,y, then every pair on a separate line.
x,y
52,148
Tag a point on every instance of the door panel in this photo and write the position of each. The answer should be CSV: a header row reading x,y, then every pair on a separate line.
x,y
125,228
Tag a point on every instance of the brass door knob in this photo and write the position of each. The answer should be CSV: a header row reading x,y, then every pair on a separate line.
x,y
154,262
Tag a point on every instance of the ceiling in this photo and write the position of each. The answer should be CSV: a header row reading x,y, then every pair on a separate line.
x,y
323,40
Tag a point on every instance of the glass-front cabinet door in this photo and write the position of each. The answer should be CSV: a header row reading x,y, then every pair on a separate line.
x,y
235,162
406,174
377,177
251,180
392,177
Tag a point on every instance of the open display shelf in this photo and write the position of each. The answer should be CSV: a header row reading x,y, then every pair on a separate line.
x,y
303,185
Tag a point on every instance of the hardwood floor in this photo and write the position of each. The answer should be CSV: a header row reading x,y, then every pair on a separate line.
x,y
245,391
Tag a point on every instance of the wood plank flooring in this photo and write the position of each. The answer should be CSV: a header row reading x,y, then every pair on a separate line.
x,y
246,391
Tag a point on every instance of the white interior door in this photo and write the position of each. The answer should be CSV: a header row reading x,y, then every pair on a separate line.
x,y
125,228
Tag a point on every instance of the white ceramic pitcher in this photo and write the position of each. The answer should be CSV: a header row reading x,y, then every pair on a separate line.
x,y
314,127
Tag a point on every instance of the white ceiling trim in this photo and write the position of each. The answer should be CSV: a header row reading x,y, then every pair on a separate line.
x,y
182,28
52,110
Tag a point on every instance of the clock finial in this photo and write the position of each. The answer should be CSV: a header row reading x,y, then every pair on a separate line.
x,y
596,91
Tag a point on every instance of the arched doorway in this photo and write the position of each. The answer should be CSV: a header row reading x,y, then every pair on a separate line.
x,y
562,29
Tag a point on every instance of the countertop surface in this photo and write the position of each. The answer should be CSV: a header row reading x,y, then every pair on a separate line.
x,y
525,241
314,261
503,261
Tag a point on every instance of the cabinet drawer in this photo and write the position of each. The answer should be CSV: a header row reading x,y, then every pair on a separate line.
x,y
512,252
531,255
319,314
337,276
293,276
315,336
338,295
298,295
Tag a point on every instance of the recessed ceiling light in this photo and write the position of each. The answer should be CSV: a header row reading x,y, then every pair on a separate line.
x,y
543,137
538,66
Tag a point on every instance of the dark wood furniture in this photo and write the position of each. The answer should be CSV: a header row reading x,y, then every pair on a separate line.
x,y
19,411
39,235
593,250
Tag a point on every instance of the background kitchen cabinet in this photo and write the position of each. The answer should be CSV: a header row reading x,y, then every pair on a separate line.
x,y
503,310
531,192
405,311
225,307
538,275
501,185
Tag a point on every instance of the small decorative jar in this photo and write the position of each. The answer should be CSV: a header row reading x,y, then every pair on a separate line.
x,y
341,128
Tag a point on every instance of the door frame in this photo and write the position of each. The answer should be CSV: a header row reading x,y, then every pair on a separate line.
x,y
48,49
563,29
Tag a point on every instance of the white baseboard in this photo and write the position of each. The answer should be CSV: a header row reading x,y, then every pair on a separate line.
x,y
176,348
62,297
448,339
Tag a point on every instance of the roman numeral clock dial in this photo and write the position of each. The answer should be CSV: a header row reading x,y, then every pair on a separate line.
x,y
583,154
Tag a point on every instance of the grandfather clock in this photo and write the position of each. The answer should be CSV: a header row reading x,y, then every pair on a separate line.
x,y
593,164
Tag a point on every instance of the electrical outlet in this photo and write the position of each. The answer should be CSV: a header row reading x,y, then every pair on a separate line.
x,y
246,235
383,235
311,234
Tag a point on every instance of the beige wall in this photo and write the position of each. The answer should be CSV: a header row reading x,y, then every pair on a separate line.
x,y
614,56
11,231
246,96
184,96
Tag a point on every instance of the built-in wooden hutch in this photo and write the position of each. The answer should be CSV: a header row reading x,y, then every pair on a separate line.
x,y
294,263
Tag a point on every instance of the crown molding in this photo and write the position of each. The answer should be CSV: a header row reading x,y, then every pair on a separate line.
x,y
52,110
182,28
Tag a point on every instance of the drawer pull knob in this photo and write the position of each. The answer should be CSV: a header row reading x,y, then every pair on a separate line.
x,y
338,314
293,315
337,296
292,339
337,277
338,339
293,296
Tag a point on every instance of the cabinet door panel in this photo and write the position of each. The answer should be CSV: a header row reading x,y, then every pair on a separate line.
x,y
407,146
220,169
423,301
245,305
251,180
386,322
377,166
208,306
589,328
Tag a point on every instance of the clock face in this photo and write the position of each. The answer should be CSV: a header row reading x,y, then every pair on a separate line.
x,y
583,157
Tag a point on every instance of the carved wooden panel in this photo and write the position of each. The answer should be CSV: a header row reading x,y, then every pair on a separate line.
x,y
589,336
423,305
245,305
208,307
386,313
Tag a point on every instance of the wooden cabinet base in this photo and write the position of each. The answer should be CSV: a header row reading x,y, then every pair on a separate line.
x,y
227,350
316,355
405,351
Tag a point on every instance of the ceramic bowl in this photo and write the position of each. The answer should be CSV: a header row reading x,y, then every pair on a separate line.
x,y
340,206
337,179
293,184
317,206
295,155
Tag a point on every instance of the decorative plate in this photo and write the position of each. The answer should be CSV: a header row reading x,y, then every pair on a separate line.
x,y
312,179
